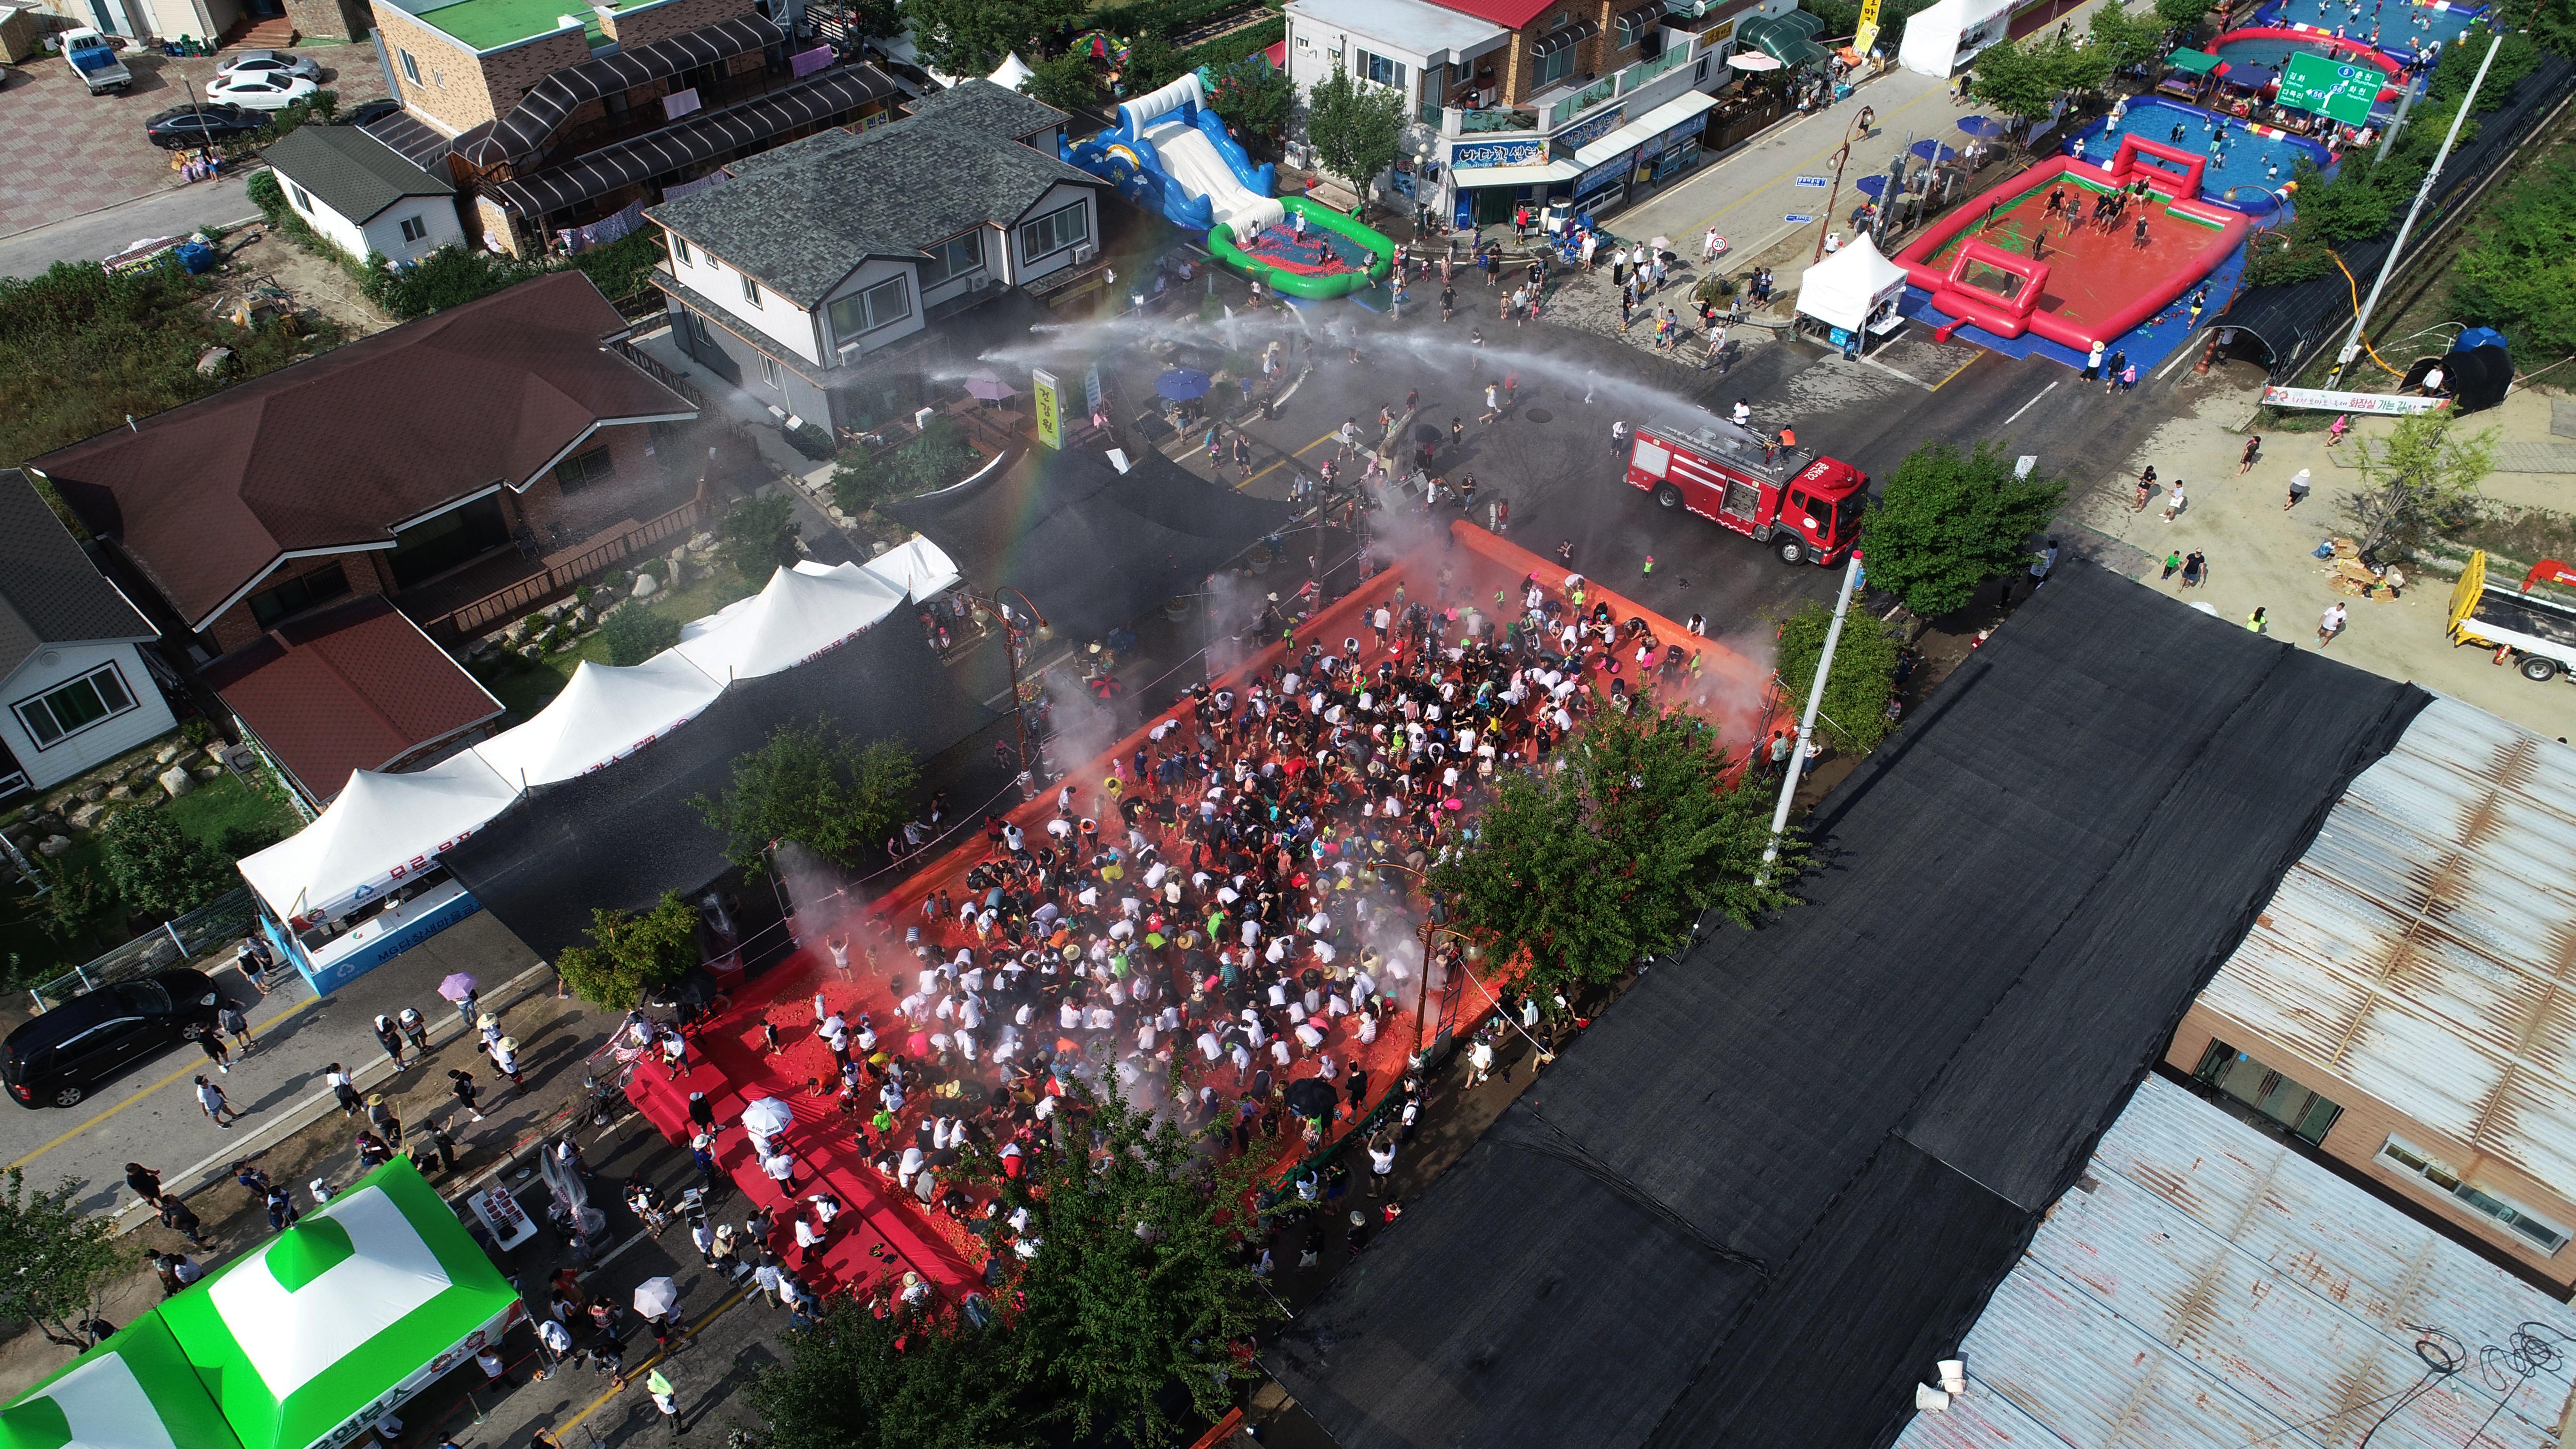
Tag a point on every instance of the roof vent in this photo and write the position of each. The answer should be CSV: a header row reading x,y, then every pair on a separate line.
x,y
1954,1376
1930,1400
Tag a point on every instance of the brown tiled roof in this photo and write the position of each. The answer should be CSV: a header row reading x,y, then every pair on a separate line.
x,y
354,687
332,453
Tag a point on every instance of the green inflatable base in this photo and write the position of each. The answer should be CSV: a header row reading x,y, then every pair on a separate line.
x,y
1301,284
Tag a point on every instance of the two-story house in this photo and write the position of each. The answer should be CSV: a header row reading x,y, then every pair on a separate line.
x,y
819,255
433,463
553,115
1521,101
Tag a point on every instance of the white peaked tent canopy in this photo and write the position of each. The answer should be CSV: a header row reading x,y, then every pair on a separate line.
x,y
805,610
1845,288
1011,72
607,713
381,827
920,568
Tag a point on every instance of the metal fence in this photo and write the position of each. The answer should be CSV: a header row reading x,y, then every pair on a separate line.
x,y
202,932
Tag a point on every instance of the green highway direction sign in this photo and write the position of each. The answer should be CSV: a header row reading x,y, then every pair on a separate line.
x,y
2342,92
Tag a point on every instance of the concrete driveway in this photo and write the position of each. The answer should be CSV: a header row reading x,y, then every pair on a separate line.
x,y
77,153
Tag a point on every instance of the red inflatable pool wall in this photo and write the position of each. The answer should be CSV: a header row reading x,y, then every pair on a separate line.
x,y
2340,49
2136,160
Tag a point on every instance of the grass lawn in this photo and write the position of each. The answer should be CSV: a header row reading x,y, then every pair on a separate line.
x,y
525,688
216,812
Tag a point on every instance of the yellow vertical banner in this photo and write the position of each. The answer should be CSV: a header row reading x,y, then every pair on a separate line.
x,y
1050,407
1868,32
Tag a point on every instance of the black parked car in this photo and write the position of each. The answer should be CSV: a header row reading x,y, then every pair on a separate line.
x,y
368,114
184,128
55,1059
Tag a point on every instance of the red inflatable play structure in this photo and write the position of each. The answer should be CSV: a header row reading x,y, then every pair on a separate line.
x,y
2097,281
2341,51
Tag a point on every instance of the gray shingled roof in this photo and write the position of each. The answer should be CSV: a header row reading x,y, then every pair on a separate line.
x,y
50,593
981,105
350,171
803,216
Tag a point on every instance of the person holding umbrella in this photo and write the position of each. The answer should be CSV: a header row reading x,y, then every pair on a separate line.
x,y
459,989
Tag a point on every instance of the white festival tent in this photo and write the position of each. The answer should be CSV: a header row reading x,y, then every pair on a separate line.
x,y
805,611
1845,288
385,827
1011,72
605,714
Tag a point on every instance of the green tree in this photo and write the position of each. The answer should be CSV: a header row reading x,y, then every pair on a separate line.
x,y
1354,127
877,19
1151,63
2129,39
636,633
1068,82
1950,521
1595,867
2416,483
61,1260
1854,713
2553,26
902,1381
811,785
631,956
448,277
157,867
758,535
970,37
2520,272
1136,1294
860,480
1255,98
2183,16
2019,78
937,458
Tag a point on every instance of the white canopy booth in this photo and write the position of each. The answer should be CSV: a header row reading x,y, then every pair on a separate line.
x,y
1854,294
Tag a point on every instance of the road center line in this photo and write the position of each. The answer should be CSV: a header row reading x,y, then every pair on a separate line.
x,y
2034,402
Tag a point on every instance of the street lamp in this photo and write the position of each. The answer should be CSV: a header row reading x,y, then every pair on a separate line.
x,y
1011,655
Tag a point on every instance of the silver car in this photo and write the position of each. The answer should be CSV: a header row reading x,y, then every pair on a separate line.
x,y
270,62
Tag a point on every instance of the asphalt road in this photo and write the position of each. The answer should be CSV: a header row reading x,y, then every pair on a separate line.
x,y
104,233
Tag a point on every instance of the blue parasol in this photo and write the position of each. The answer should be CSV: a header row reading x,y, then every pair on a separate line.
x,y
1932,151
1180,384
1870,186
1981,127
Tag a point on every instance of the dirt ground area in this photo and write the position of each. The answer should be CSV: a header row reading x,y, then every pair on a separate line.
x,y
312,282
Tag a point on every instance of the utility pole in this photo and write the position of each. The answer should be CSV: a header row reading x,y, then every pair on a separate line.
x,y
2405,103
1807,721
2361,319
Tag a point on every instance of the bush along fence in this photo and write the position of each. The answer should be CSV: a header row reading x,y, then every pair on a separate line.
x,y
205,931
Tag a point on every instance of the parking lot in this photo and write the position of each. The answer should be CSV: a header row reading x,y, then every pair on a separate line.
x,y
77,153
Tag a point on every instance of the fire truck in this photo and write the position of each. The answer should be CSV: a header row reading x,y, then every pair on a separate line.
x,y
1803,504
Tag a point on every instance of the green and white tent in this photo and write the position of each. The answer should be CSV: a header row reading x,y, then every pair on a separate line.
x,y
298,1345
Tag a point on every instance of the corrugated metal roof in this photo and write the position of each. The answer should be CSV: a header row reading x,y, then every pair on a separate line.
x,y
2213,1289
2424,949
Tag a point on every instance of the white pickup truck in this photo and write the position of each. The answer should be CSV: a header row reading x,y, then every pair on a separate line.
x,y
2533,631
93,59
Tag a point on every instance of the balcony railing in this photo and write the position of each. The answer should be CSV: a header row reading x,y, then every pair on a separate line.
x,y
1646,70
1558,113
557,579
661,374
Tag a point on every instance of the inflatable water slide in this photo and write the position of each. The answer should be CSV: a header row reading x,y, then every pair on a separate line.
x,y
1170,153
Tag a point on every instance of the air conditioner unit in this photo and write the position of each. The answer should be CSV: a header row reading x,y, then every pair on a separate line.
x,y
1084,253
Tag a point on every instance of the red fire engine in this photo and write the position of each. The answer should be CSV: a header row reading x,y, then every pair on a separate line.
x,y
1802,503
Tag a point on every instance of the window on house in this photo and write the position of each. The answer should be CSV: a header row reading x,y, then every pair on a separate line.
x,y
583,469
414,229
1380,70
2397,1153
769,371
298,594
2307,1115
1053,232
954,257
888,301
297,194
751,291
411,67
1557,65
458,536
67,709
680,250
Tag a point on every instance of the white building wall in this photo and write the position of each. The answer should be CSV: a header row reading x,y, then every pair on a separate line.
x,y
1025,268
876,273
783,322
334,228
58,664
437,214
1310,63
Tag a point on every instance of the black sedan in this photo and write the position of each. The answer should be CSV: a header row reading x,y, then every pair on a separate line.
x,y
54,1060
184,128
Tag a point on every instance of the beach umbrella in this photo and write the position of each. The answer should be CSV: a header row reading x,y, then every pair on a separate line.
x,y
1752,60
1870,186
986,386
1932,151
457,987
1180,384
656,1296
767,1116
1661,243
1981,127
